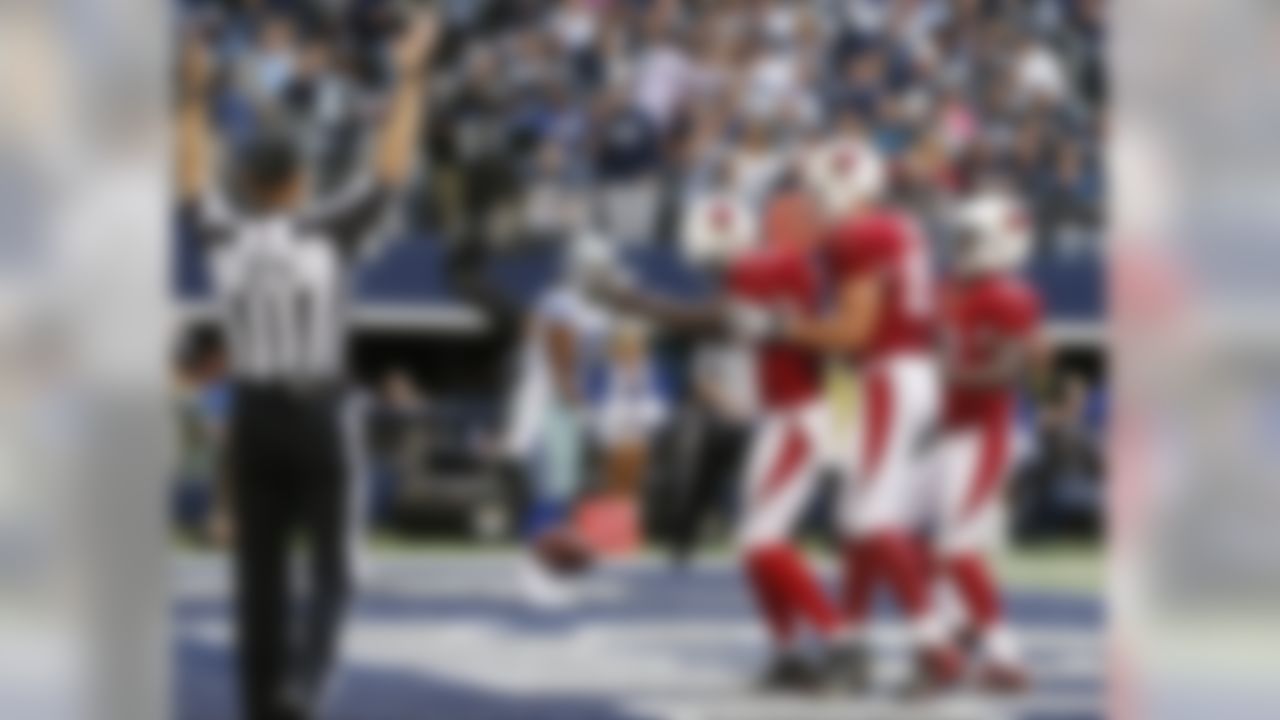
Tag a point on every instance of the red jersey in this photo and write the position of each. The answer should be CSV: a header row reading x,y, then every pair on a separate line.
x,y
888,244
785,374
976,313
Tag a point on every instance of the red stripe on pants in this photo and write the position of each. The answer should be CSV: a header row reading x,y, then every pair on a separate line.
x,y
993,456
860,573
973,579
770,596
878,418
786,589
904,564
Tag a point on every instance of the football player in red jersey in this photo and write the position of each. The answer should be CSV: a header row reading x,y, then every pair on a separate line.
x,y
883,319
989,322
784,463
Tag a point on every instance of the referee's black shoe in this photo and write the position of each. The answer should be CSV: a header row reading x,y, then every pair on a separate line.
x,y
297,701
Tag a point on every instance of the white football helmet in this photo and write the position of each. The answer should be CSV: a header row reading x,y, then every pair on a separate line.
x,y
590,258
717,229
845,174
993,233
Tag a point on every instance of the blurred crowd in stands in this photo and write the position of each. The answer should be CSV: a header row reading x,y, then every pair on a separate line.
x,y
548,114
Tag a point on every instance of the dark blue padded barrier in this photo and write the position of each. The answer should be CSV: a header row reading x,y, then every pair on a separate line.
x,y
414,272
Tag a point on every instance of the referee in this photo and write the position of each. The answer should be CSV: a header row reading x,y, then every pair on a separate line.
x,y
279,262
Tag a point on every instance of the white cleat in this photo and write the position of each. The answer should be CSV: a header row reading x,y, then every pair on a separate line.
x,y
543,589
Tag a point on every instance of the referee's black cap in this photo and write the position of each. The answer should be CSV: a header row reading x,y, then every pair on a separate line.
x,y
267,164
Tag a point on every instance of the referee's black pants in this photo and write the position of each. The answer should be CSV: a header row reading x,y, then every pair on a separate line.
x,y
290,484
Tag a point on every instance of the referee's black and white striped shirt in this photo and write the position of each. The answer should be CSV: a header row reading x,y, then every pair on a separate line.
x,y
281,281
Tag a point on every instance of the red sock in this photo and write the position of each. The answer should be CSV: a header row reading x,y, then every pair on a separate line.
x,y
903,564
861,570
770,595
977,587
804,594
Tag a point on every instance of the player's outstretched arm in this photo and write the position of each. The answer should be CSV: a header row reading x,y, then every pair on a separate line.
x,y
847,328
397,142
705,318
195,143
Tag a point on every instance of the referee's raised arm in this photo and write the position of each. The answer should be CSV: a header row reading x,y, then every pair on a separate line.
x,y
196,145
396,150
195,142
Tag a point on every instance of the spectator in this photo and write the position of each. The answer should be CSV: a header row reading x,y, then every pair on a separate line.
x,y
1070,196
757,163
576,25
1039,76
777,83
1084,39
321,103
270,66
663,77
1059,490
863,84
536,63
475,153
203,405
556,203
628,405
398,433
627,157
